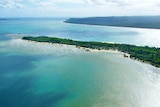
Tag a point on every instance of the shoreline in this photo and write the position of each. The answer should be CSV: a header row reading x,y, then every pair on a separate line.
x,y
141,53
123,54
83,48
116,26
78,47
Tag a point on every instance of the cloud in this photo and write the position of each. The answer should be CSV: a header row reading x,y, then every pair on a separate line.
x,y
131,7
80,7
11,4
123,3
118,3
29,3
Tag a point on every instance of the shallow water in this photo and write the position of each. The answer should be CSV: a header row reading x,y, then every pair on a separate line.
x,y
44,75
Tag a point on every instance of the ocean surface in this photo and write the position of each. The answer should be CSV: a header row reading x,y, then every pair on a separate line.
x,y
45,75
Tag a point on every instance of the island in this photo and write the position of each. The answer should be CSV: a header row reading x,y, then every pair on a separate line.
x,y
146,54
121,21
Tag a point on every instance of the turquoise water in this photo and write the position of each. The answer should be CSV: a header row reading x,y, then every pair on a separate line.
x,y
44,75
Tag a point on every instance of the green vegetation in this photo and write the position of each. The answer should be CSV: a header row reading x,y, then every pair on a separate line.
x,y
146,54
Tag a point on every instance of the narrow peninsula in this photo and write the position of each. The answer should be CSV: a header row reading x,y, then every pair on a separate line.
x,y
146,54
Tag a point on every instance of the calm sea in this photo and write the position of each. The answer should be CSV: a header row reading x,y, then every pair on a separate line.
x,y
44,75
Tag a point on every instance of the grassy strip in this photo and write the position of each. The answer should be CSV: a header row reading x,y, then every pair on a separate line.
x,y
146,54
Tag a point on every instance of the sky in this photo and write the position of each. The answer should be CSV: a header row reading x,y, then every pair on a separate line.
x,y
78,8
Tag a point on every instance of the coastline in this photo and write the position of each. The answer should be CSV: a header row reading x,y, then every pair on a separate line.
x,y
145,54
114,26
19,36
123,54
81,48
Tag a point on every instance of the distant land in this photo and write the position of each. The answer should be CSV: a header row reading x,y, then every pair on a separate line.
x,y
3,19
123,21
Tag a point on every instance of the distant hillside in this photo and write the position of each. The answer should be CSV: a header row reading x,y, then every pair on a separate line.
x,y
125,21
